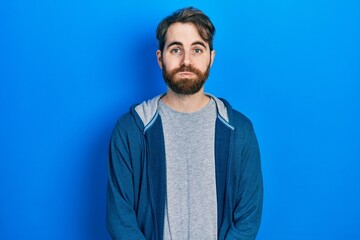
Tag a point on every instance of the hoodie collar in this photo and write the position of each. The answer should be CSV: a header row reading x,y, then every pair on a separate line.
x,y
148,111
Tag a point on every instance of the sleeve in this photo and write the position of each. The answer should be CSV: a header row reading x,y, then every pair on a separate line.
x,y
249,201
121,219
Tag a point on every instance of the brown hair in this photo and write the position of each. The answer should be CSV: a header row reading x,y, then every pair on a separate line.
x,y
187,15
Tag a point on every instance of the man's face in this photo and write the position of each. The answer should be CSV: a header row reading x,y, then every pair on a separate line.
x,y
185,60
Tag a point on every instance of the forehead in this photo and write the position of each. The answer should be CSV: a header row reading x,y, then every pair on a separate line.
x,y
186,33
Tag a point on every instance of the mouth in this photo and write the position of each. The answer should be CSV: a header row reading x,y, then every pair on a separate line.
x,y
186,74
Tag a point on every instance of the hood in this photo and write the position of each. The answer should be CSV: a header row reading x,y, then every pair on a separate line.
x,y
147,111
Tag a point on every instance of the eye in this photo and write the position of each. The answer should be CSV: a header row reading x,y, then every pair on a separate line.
x,y
198,51
175,51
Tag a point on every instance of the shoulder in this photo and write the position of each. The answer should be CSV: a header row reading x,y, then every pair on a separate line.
x,y
126,126
243,126
126,120
236,118
240,120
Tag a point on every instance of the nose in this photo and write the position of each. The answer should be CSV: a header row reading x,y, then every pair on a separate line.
x,y
186,58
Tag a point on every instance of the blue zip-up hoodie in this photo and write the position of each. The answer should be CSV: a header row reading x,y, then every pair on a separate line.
x,y
137,175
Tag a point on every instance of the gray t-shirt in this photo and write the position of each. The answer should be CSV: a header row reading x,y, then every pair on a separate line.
x,y
191,204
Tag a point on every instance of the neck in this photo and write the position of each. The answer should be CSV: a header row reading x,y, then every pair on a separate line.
x,y
186,103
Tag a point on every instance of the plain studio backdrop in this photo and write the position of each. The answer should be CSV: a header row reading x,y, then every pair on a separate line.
x,y
70,69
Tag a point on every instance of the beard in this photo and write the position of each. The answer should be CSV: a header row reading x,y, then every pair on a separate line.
x,y
185,86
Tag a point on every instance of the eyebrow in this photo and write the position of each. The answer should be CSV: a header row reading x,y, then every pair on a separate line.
x,y
199,43
180,44
174,43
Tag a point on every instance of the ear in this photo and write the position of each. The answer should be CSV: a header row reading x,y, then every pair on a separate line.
x,y
212,57
159,58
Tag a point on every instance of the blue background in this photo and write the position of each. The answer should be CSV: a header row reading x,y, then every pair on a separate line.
x,y
69,69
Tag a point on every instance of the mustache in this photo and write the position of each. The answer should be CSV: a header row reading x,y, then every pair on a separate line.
x,y
186,68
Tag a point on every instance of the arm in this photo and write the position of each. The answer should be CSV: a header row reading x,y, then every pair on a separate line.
x,y
248,205
121,219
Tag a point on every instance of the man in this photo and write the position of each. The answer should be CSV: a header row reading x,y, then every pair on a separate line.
x,y
184,165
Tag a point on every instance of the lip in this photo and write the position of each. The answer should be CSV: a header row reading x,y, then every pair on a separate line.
x,y
186,73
